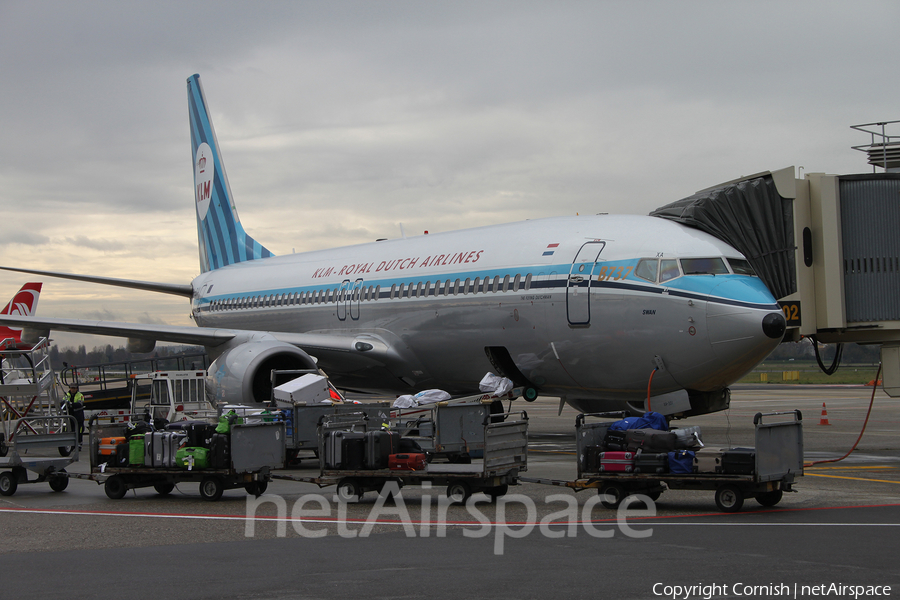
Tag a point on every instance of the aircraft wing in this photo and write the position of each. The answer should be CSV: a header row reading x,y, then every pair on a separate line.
x,y
178,334
149,286
358,350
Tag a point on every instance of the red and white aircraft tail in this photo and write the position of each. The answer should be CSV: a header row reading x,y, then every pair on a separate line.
x,y
24,304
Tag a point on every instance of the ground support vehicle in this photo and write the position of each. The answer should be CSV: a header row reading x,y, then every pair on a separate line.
x,y
34,446
28,388
505,446
255,450
451,429
778,463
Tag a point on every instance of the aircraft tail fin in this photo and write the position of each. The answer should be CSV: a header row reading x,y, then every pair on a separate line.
x,y
24,303
222,238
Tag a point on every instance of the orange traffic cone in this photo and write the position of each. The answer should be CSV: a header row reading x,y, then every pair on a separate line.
x,y
824,419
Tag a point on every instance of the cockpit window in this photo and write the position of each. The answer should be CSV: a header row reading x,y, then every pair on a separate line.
x,y
741,266
668,269
646,269
704,266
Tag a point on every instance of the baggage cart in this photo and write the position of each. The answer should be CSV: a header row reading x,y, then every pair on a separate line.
x,y
255,450
778,464
34,445
505,455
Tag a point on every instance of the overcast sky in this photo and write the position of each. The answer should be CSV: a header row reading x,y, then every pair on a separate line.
x,y
338,121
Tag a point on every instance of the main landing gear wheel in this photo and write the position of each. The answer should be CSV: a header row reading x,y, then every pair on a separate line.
x,y
115,487
211,488
769,498
59,482
8,483
530,394
459,492
614,493
348,490
729,498
164,489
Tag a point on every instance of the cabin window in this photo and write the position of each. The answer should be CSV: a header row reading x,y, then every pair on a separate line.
x,y
703,266
647,269
741,267
668,269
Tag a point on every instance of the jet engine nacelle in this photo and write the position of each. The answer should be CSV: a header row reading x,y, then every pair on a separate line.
x,y
242,374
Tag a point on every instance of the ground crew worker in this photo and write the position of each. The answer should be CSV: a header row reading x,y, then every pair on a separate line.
x,y
74,402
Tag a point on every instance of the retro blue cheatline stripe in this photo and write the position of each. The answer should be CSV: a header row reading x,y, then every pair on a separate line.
x,y
556,284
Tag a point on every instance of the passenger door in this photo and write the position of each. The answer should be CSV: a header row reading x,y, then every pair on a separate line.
x,y
578,287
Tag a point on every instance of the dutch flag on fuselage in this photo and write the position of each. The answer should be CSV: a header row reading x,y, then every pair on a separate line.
x,y
222,238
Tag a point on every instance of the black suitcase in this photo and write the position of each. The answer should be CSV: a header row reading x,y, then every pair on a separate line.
x,y
591,462
651,462
121,456
649,440
219,451
354,452
379,446
615,440
345,450
739,461
199,435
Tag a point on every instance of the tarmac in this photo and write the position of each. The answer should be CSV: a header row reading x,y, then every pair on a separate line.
x,y
840,528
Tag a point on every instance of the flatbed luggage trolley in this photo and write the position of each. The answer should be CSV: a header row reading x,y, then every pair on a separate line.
x,y
505,456
777,461
254,450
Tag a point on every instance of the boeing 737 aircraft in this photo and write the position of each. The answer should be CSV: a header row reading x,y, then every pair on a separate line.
x,y
584,308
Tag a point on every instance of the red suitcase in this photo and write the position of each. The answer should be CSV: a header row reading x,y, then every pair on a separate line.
x,y
616,462
407,462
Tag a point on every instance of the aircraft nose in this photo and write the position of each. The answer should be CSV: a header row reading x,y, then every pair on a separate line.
x,y
773,325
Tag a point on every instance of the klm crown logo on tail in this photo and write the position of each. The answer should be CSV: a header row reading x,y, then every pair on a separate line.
x,y
222,238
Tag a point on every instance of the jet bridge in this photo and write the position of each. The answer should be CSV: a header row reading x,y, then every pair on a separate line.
x,y
827,246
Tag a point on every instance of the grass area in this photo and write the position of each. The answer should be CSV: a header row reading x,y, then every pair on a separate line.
x,y
808,373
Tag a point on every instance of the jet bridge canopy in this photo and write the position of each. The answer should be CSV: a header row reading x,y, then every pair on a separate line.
x,y
754,217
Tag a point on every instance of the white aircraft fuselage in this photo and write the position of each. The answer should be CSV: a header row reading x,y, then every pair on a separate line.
x,y
562,297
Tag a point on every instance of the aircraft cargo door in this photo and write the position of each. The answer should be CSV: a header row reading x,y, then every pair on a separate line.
x,y
581,278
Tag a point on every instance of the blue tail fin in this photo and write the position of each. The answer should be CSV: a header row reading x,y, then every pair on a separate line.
x,y
223,240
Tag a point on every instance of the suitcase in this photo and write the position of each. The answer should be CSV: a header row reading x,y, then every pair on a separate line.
x,y
123,452
407,462
199,435
136,451
591,462
687,438
616,462
409,446
614,440
192,458
649,440
345,450
379,446
219,455
739,461
108,446
651,463
161,447
681,462
708,460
